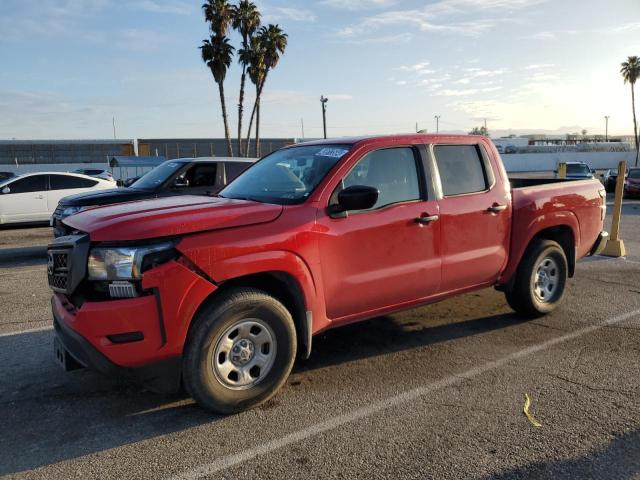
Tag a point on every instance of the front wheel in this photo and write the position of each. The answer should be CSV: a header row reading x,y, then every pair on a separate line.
x,y
240,351
540,281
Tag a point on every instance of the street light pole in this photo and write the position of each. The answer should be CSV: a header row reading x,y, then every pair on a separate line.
x,y
606,128
323,101
437,117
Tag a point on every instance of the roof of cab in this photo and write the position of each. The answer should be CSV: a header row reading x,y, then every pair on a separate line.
x,y
407,137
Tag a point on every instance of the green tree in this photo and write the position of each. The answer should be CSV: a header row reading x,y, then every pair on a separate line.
x,y
246,21
269,45
630,71
217,52
480,131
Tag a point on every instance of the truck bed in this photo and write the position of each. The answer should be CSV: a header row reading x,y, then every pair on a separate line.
x,y
524,182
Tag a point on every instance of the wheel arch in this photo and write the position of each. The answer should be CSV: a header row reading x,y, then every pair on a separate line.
x,y
564,233
281,285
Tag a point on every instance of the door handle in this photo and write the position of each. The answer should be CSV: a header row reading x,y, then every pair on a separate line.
x,y
426,219
496,208
39,197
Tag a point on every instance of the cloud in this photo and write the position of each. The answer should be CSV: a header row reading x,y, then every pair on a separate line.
x,y
358,4
539,66
275,14
541,36
405,37
437,17
163,6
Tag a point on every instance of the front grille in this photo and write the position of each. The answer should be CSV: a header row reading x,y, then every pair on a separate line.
x,y
58,270
58,211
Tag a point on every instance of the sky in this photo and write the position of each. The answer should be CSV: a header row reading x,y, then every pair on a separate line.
x,y
68,67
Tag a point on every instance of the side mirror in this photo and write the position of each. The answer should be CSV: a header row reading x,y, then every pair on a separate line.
x,y
6,190
356,197
180,183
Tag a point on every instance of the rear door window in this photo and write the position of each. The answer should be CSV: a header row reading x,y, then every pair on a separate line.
x,y
68,182
462,169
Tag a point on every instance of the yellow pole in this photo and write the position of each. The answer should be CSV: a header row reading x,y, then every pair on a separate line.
x,y
562,170
615,246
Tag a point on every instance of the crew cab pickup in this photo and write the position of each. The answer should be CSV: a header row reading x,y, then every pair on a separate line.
x,y
220,294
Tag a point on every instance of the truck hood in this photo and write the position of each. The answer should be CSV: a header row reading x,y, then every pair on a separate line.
x,y
104,197
169,216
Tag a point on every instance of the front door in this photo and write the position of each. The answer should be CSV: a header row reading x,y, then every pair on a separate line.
x,y
25,200
384,256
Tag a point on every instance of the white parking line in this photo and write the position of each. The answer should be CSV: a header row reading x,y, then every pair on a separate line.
x,y
332,423
20,332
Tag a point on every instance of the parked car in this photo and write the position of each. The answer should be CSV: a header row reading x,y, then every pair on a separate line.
x,y
33,197
184,176
221,293
6,176
96,172
632,183
609,179
578,170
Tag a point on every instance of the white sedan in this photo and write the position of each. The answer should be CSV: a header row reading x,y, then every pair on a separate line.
x,y
33,197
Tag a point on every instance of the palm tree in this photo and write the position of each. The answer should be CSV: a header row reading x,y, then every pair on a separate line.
x,y
270,44
246,20
257,69
218,13
217,53
630,72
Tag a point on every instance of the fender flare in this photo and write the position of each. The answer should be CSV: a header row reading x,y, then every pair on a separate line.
x,y
520,242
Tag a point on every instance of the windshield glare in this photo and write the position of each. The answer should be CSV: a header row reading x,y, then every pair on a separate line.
x,y
157,176
287,176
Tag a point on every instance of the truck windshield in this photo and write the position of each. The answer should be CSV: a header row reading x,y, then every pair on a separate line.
x,y
156,177
288,176
576,169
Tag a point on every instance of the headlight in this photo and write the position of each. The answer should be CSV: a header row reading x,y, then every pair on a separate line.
x,y
71,210
127,263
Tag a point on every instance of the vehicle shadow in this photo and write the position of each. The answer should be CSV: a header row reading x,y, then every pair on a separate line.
x,y
49,416
620,459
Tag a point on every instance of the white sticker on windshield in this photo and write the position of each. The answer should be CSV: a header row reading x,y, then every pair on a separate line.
x,y
332,152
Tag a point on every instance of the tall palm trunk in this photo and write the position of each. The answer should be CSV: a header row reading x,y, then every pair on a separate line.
x,y
240,109
635,123
255,107
258,129
224,117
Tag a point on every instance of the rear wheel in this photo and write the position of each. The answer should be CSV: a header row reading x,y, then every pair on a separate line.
x,y
541,279
239,352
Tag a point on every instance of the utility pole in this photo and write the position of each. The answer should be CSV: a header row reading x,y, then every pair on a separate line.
x,y
302,127
606,128
485,125
323,101
113,120
437,117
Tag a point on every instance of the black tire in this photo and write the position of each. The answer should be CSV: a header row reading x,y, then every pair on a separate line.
x,y
204,383
523,297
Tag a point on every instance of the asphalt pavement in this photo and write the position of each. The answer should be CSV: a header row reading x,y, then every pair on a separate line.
x,y
435,392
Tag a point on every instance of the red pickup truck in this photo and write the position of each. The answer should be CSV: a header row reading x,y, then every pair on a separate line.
x,y
220,294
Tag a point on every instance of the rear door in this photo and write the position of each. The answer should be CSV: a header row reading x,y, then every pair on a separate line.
x,y
61,186
382,257
474,217
25,200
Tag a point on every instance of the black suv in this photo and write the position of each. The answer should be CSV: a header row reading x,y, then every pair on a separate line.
x,y
183,176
